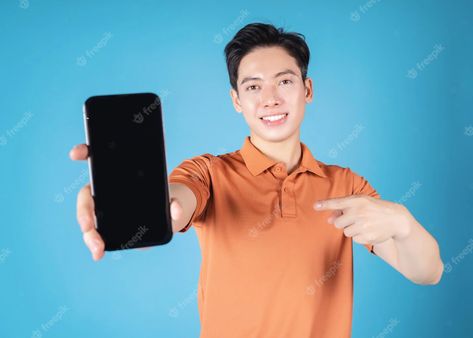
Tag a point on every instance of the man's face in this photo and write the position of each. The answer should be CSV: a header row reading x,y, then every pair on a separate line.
x,y
270,83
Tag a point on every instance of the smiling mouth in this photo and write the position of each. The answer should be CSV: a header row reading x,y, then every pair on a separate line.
x,y
273,118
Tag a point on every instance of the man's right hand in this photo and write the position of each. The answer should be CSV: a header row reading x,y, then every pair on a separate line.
x,y
85,210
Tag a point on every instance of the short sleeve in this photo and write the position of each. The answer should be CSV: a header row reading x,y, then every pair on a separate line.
x,y
362,187
195,174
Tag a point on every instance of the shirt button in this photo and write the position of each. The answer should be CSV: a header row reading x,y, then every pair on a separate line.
x,y
286,189
278,169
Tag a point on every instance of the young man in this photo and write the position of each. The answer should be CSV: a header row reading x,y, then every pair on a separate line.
x,y
275,225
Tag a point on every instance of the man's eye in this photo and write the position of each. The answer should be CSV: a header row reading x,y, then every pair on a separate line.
x,y
286,81
251,88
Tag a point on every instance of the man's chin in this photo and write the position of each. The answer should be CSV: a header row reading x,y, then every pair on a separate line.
x,y
276,136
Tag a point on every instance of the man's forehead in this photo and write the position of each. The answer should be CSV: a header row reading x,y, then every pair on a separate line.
x,y
267,63
261,76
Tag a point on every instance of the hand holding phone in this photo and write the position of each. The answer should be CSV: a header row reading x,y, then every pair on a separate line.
x,y
127,204
85,210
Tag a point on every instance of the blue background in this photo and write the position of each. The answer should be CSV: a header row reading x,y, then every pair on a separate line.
x,y
416,135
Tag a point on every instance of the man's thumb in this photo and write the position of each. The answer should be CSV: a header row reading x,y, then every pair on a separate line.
x,y
176,210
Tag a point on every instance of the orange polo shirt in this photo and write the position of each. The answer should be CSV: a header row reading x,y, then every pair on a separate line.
x,y
272,266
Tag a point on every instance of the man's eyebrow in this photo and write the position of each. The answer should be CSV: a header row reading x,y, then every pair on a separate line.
x,y
284,72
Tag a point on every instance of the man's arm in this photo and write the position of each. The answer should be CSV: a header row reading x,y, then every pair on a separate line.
x,y
415,254
190,182
397,237
185,206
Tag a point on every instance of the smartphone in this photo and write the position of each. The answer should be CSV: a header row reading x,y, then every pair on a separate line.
x,y
127,165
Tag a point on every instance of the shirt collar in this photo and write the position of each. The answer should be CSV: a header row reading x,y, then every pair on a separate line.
x,y
257,162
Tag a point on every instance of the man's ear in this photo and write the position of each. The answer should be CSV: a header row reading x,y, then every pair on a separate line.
x,y
309,91
235,100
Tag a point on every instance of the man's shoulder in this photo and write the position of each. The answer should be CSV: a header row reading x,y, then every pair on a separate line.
x,y
334,170
348,176
222,159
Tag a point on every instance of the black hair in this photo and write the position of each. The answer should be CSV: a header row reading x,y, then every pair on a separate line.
x,y
256,35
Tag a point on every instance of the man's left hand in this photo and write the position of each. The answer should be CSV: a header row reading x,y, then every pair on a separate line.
x,y
366,219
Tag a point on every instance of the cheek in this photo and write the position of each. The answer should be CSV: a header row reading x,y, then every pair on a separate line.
x,y
250,111
249,105
298,103
293,97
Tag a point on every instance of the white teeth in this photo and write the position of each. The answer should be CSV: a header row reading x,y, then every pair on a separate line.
x,y
274,117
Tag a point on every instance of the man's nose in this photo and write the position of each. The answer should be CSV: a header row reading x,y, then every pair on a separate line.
x,y
270,97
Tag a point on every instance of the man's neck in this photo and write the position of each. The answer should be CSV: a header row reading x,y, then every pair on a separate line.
x,y
287,151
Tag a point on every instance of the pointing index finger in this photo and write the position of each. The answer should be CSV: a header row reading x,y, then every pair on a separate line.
x,y
336,203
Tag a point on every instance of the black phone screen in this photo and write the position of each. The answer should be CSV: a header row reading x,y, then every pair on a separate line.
x,y
127,165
